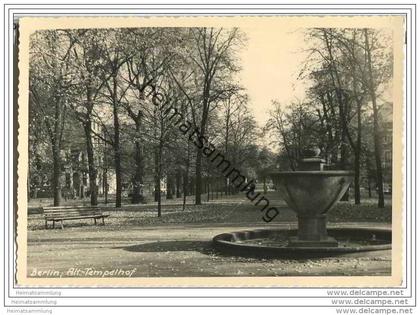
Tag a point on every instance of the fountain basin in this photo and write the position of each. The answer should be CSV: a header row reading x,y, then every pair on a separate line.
x,y
311,194
274,243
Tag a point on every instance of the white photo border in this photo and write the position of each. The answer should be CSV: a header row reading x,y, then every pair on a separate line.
x,y
131,296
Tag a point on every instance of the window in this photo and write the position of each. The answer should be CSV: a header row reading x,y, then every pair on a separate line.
x,y
388,157
388,139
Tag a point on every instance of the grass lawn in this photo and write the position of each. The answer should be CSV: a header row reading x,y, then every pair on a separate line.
x,y
235,210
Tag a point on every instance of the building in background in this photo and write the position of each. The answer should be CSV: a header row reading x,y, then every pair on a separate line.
x,y
387,128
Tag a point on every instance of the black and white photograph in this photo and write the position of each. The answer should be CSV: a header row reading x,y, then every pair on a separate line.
x,y
237,148
209,156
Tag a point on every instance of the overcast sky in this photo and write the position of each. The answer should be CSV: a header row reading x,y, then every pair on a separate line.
x,y
271,62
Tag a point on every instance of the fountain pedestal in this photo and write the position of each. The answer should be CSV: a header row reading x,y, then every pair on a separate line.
x,y
312,229
312,232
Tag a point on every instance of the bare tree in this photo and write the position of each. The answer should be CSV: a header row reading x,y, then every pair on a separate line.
x,y
115,57
50,77
375,75
87,57
342,76
145,67
213,59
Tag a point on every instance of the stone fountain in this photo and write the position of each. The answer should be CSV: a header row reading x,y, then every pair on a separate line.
x,y
311,192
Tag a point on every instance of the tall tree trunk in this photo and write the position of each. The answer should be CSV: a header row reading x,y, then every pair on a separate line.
x,y
192,185
357,152
378,160
156,177
343,160
185,188
178,183
91,163
169,187
56,133
368,174
116,144
105,184
357,178
138,174
159,177
81,188
185,179
357,148
227,145
56,181
139,169
376,129
198,177
87,125
56,138
208,189
265,184
203,124
159,202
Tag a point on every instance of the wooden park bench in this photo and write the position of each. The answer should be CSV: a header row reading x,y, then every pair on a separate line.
x,y
63,213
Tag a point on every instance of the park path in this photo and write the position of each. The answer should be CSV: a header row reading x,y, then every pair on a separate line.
x,y
178,250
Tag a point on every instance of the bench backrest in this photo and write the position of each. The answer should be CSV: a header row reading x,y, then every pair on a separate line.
x,y
70,211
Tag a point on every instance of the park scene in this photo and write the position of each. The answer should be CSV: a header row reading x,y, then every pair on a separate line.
x,y
210,152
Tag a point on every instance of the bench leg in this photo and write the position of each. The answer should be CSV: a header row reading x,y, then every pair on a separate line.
x,y
46,224
53,224
95,220
103,221
62,226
